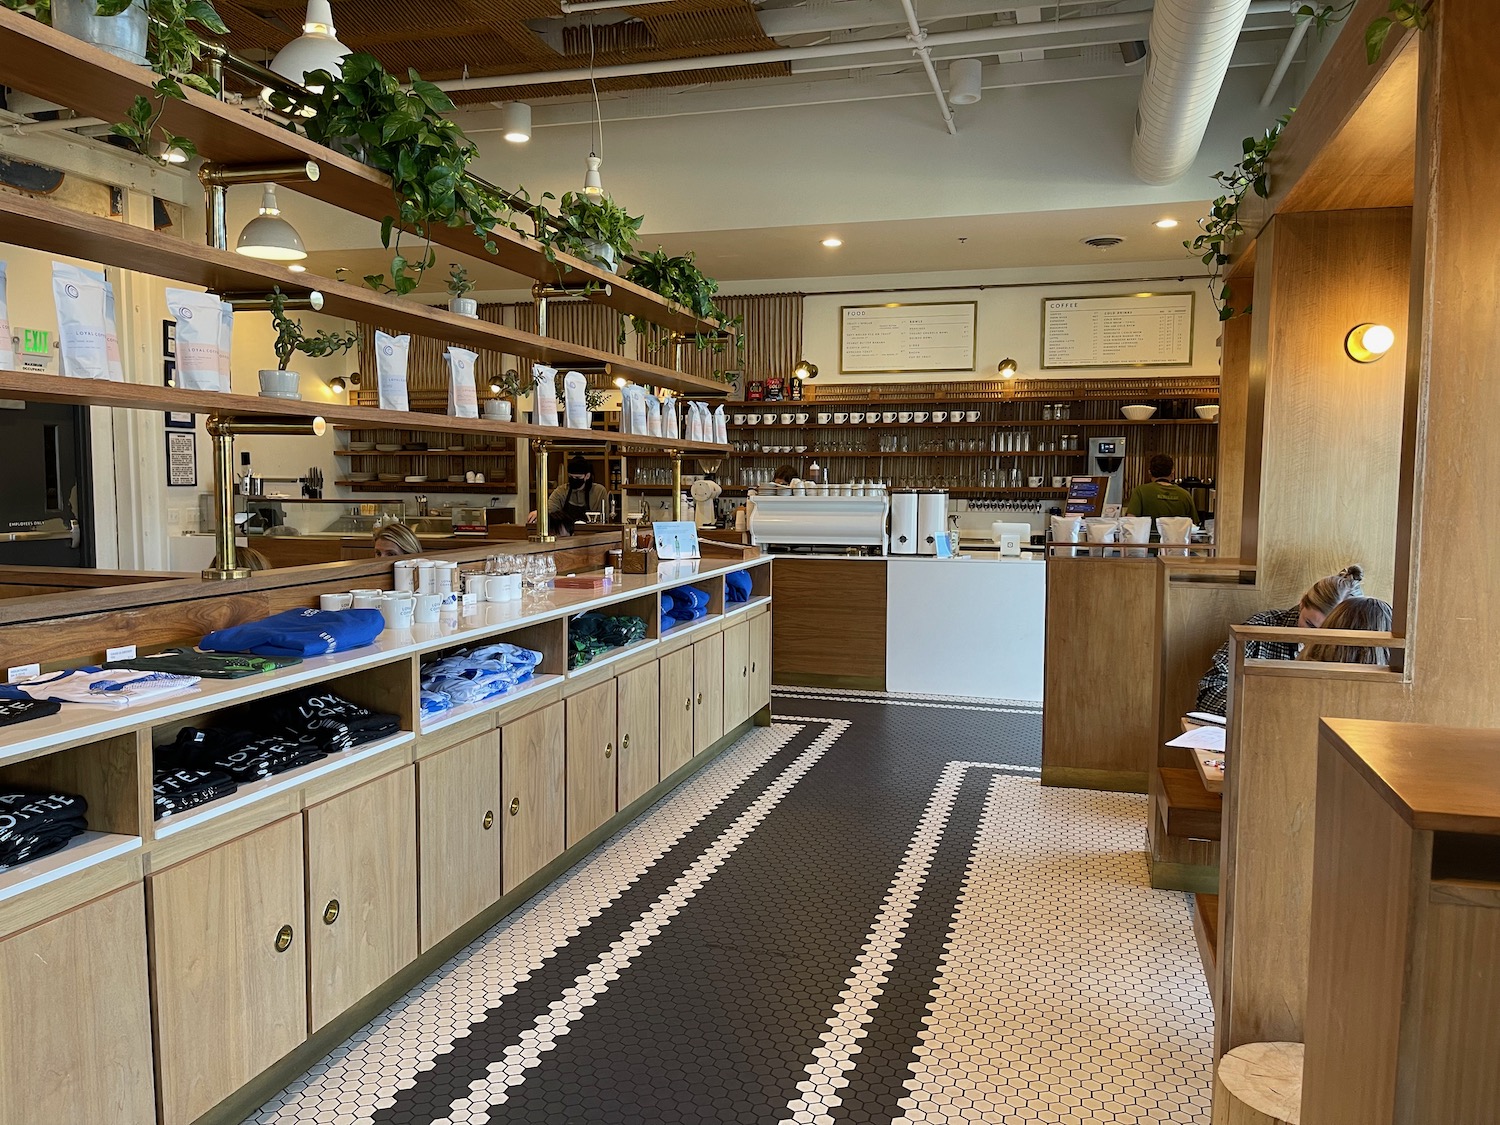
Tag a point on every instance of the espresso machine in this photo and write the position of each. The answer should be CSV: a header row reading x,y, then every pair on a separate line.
x,y
1107,459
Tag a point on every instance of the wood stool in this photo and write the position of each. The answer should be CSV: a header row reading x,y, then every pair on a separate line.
x,y
1259,1084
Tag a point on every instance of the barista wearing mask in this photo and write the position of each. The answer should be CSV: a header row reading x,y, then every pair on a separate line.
x,y
570,503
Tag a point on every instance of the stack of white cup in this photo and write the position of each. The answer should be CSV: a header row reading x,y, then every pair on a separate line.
x,y
502,587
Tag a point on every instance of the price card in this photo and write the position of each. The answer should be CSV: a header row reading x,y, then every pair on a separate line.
x,y
676,540
124,652
22,672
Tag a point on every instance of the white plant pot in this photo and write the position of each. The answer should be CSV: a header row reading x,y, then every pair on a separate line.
x,y
497,410
602,254
464,306
123,36
279,384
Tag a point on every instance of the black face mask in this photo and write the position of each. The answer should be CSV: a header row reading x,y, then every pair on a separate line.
x,y
578,482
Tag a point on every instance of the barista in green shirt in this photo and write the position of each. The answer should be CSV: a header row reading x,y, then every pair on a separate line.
x,y
1161,497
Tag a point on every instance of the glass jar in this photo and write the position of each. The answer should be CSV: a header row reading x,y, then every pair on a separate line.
x,y
1047,412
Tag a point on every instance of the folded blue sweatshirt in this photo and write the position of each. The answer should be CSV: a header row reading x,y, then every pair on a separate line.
x,y
737,586
688,603
299,632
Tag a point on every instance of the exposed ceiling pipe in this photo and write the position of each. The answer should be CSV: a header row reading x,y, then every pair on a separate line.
x,y
1292,43
856,15
1191,43
789,54
918,38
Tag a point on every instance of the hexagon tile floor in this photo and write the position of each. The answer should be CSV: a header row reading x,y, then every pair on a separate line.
x,y
870,912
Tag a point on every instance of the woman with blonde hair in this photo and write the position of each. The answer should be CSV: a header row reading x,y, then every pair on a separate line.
x,y
1322,597
395,539
1370,615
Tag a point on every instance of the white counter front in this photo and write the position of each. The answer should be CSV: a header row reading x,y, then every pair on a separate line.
x,y
966,626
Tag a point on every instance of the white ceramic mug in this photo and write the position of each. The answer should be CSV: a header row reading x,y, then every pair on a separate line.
x,y
512,587
335,601
840,419
752,419
939,415
856,418
399,608
1059,482
495,587
971,416
788,419
426,576
905,416
739,419
919,416
802,419
1034,482
824,419
888,416
366,599
427,608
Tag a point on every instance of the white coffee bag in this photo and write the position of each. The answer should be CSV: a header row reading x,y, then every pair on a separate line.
x,y
390,370
111,332
653,416
721,426
199,320
544,396
463,398
575,398
671,426
81,334
226,345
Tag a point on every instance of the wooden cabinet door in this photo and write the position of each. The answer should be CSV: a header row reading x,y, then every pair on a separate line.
x,y
676,710
75,1017
531,788
361,892
591,773
760,661
458,835
229,967
638,709
708,692
736,674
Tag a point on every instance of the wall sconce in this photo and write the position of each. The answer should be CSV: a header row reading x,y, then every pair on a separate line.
x,y
1368,342
805,370
1008,368
341,383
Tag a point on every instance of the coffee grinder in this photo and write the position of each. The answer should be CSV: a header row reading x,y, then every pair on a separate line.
x,y
1107,459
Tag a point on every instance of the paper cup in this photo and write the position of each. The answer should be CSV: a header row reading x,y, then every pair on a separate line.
x,y
404,575
335,601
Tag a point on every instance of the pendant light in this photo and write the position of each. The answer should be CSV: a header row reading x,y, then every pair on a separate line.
x,y
517,122
268,236
317,48
593,186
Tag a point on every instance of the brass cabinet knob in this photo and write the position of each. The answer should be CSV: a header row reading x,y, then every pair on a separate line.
x,y
700,699
489,819
283,939
331,912
687,704
515,805
609,749
625,743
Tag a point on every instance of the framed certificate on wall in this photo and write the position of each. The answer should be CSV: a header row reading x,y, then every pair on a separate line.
x,y
899,339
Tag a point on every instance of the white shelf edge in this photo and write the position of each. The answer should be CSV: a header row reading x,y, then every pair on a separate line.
x,y
740,607
82,852
254,791
614,655
692,626
468,710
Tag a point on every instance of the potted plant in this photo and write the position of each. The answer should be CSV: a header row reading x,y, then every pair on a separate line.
x,y
597,230
460,285
291,339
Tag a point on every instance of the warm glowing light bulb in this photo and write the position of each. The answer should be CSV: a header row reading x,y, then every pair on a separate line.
x,y
1165,224
833,243
1008,368
1368,342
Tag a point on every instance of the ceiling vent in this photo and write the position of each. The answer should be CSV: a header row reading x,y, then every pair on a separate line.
x,y
1102,241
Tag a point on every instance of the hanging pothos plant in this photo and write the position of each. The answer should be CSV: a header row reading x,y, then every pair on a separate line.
x,y
678,278
1403,13
1221,226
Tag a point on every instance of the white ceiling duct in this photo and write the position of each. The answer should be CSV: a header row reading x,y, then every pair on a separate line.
x,y
1191,44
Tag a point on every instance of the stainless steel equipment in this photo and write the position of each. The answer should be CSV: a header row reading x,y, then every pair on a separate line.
x,y
904,521
835,522
1107,459
932,520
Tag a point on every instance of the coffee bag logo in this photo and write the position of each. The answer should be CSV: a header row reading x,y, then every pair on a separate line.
x,y
71,290
185,313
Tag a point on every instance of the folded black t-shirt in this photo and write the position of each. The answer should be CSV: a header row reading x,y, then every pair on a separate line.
x,y
19,710
176,790
36,823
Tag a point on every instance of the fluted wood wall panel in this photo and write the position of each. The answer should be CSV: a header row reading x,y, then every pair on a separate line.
x,y
772,331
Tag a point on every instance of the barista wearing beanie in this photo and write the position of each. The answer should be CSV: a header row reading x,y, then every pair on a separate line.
x,y
1161,497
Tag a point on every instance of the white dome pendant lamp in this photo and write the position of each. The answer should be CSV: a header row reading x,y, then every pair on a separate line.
x,y
268,236
317,48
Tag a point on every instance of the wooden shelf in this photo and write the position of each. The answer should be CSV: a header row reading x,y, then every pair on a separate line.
x,y
426,486
867,454
59,68
1186,808
957,398
31,387
52,229
422,453
991,425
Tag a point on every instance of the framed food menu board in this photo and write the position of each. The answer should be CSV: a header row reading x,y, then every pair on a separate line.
x,y
1133,330
897,339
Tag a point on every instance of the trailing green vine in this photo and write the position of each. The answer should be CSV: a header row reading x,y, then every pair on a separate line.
x,y
1402,13
1221,226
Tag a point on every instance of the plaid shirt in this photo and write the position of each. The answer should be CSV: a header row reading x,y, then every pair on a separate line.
x,y
1213,688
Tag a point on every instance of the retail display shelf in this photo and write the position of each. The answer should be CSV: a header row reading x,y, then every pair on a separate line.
x,y
993,423
424,453
169,826
31,387
612,655
448,718
487,486
684,627
54,229
59,68
731,608
865,454
84,851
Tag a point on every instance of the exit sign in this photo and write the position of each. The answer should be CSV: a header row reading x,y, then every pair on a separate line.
x,y
36,341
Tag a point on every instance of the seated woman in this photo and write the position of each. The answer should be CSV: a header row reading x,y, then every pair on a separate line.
x,y
1309,613
1369,615
395,539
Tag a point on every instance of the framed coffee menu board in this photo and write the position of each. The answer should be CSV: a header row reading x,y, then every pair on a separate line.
x,y
897,339
1134,330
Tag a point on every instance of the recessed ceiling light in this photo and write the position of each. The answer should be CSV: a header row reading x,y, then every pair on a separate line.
x,y
1165,224
833,243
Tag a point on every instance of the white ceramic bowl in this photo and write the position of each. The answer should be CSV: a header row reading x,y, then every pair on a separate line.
x,y
361,446
1207,413
1138,413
